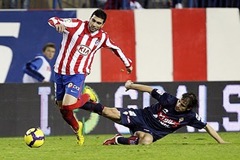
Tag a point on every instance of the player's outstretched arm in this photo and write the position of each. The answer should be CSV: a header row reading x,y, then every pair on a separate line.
x,y
60,24
214,134
140,87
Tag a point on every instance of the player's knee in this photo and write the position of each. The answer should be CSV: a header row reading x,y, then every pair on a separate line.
x,y
145,142
106,112
146,139
111,113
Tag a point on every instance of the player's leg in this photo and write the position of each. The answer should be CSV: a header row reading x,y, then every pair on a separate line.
x,y
144,138
108,112
68,89
119,139
69,117
112,114
92,106
139,137
133,119
73,98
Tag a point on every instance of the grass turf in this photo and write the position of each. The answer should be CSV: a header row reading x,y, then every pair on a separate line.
x,y
178,146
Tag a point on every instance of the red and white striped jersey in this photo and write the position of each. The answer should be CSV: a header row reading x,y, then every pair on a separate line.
x,y
79,46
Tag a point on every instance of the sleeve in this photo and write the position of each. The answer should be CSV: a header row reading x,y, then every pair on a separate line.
x,y
67,22
117,51
31,68
156,93
196,122
159,95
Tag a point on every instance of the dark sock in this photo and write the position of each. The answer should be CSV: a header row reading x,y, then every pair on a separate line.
x,y
133,140
69,118
93,107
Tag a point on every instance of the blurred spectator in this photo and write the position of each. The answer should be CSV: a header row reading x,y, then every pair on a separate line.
x,y
100,3
117,4
122,4
156,3
190,3
57,3
177,4
212,3
135,5
12,4
145,3
39,69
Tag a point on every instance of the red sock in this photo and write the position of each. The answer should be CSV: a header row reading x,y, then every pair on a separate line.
x,y
67,112
69,118
80,102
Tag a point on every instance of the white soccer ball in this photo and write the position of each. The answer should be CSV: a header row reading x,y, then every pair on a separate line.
x,y
34,137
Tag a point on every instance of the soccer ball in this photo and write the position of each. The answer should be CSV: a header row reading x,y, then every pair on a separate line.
x,y
34,137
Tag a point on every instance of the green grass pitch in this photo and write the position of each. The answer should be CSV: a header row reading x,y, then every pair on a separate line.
x,y
177,146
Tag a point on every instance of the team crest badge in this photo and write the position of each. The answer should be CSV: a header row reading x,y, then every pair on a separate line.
x,y
97,42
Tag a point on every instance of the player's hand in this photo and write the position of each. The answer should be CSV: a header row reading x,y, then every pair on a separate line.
x,y
128,85
129,69
60,28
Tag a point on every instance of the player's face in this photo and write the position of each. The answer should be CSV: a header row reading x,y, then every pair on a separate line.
x,y
49,52
181,105
95,23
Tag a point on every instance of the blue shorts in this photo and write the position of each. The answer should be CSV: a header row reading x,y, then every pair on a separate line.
x,y
133,119
68,84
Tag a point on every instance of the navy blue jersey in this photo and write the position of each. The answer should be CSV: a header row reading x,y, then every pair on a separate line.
x,y
163,116
160,118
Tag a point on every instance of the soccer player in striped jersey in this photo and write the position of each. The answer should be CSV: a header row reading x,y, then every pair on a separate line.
x,y
80,42
156,121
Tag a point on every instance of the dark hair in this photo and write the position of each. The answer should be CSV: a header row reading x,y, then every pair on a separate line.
x,y
191,98
52,45
101,14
